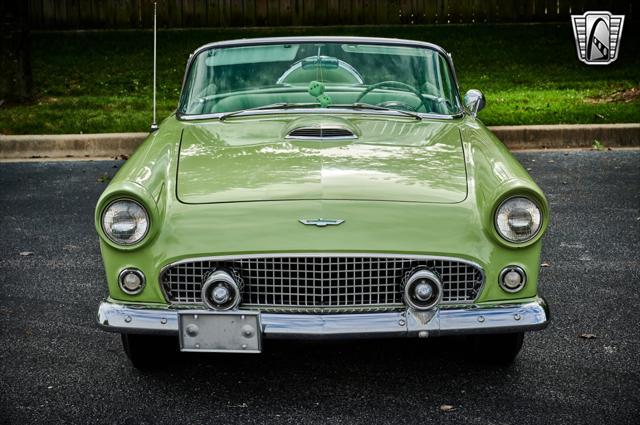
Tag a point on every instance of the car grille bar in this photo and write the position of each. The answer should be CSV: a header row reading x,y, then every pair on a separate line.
x,y
321,282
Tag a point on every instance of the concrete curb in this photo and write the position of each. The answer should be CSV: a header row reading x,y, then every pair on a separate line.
x,y
69,145
568,135
515,137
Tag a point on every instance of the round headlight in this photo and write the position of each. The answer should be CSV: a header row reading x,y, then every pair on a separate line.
x,y
518,219
125,222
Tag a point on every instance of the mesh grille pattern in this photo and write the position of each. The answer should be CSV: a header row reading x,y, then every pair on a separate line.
x,y
322,282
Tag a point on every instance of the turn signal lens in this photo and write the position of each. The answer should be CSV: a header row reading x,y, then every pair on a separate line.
x,y
512,278
518,219
131,281
125,222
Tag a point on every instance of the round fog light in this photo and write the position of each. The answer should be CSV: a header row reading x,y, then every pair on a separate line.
x,y
220,291
131,281
423,290
220,294
512,279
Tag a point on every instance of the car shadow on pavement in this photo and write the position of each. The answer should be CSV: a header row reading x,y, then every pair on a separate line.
x,y
334,358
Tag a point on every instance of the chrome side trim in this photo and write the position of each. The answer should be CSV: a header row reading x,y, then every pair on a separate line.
x,y
530,316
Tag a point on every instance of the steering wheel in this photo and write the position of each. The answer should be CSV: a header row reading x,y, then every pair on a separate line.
x,y
392,83
397,104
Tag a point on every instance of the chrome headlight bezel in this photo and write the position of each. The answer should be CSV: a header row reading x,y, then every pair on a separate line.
x,y
141,276
110,235
539,225
512,268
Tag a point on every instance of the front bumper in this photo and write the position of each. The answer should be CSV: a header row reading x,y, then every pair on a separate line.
x,y
534,315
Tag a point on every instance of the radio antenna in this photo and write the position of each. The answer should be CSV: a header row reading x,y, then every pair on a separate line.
x,y
154,124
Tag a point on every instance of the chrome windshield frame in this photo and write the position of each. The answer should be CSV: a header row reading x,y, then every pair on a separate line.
x,y
342,111
310,40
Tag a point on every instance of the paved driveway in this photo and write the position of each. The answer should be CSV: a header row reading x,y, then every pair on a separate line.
x,y
56,366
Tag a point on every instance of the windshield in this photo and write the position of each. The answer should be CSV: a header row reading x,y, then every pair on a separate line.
x,y
319,75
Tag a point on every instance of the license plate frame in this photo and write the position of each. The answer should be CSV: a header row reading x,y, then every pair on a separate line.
x,y
220,331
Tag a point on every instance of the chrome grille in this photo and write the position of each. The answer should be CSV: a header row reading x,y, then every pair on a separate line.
x,y
321,282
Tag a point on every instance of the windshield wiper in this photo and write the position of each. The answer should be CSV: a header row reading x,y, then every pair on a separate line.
x,y
378,108
282,105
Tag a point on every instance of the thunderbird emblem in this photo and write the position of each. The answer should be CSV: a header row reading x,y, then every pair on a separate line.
x,y
598,36
321,222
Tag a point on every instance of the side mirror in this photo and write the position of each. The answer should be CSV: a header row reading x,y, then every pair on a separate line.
x,y
474,101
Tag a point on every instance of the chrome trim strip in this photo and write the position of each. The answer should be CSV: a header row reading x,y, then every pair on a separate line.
x,y
360,308
322,254
248,112
533,315
319,39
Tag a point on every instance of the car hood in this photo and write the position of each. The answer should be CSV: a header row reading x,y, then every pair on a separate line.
x,y
251,159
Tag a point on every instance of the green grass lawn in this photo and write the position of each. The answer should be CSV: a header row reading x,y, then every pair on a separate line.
x,y
101,81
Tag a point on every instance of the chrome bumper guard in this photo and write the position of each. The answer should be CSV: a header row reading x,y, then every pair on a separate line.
x,y
128,318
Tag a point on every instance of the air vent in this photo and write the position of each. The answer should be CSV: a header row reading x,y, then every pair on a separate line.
x,y
321,133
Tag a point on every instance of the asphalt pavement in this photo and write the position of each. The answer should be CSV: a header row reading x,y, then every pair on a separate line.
x,y
56,366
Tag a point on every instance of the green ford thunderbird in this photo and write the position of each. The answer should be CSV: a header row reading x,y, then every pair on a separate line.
x,y
321,187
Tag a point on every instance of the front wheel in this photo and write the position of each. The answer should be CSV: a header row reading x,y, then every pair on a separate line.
x,y
148,352
500,349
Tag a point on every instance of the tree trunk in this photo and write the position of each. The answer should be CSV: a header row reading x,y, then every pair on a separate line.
x,y
16,82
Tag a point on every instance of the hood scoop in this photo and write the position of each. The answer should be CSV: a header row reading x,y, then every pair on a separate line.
x,y
321,133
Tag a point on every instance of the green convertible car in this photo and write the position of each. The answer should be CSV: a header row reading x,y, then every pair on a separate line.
x,y
321,187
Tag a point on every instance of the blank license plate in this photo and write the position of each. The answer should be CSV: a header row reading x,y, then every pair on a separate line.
x,y
215,332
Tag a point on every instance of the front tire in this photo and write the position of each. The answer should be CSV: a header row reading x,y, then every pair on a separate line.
x,y
498,349
148,352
